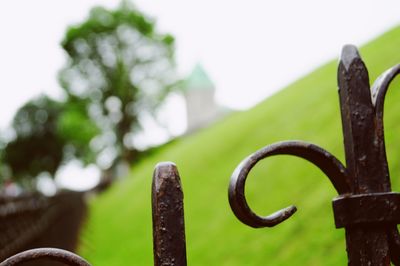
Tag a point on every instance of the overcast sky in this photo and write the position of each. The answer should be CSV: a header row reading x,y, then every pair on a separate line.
x,y
249,48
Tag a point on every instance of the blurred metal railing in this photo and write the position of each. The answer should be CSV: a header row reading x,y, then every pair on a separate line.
x,y
21,220
34,220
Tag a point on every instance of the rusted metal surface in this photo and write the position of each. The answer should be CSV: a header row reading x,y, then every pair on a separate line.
x,y
362,120
316,155
52,254
168,218
365,207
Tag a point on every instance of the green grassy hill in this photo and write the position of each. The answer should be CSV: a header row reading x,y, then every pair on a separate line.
x,y
119,229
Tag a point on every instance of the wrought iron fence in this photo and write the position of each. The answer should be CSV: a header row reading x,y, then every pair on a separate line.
x,y
366,207
34,220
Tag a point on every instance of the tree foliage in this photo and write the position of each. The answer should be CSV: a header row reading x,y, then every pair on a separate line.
x,y
37,146
120,67
47,134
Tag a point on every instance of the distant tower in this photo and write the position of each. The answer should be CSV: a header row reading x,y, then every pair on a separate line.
x,y
199,92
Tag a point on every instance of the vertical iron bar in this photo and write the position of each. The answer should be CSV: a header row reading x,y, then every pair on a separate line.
x,y
363,159
366,244
169,245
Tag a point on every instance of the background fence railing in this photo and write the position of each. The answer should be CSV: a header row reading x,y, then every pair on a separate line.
x,y
34,220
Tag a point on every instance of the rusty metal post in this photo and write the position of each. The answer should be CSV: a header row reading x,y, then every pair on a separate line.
x,y
367,243
168,219
365,207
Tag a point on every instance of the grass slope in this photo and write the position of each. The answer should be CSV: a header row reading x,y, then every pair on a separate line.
x,y
119,230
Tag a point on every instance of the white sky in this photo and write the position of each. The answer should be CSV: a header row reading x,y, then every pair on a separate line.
x,y
249,48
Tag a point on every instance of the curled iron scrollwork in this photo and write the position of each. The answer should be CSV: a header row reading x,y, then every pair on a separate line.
x,y
325,161
366,207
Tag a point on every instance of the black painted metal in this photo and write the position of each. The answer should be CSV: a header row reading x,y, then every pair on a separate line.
x,y
365,207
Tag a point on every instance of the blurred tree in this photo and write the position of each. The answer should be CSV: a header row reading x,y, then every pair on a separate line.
x,y
47,133
4,168
37,147
76,129
120,68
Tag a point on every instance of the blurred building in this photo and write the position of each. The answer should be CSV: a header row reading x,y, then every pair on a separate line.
x,y
199,94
